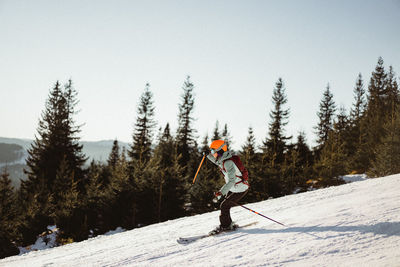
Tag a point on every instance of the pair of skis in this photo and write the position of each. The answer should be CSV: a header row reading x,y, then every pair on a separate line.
x,y
191,239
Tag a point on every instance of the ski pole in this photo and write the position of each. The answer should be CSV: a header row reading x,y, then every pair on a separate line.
x,y
194,179
260,214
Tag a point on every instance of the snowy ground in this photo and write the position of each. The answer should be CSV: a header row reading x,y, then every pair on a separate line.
x,y
356,224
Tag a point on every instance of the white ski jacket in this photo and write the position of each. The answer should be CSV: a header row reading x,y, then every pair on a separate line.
x,y
231,172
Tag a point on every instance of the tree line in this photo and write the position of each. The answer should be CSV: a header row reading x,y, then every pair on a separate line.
x,y
152,180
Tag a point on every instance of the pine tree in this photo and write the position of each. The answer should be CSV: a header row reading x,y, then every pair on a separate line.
x,y
8,217
342,127
140,153
377,91
216,134
305,153
342,121
360,104
56,142
275,143
275,146
114,156
226,136
375,114
393,94
387,159
325,114
357,161
57,137
332,161
140,150
300,161
249,157
185,136
7,199
249,148
75,158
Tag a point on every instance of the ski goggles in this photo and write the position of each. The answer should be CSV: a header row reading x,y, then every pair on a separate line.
x,y
216,152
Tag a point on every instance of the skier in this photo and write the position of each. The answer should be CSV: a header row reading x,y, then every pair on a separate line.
x,y
236,185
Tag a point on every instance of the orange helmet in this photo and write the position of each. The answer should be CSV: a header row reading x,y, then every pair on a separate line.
x,y
218,147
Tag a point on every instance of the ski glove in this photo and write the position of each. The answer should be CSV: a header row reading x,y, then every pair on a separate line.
x,y
217,196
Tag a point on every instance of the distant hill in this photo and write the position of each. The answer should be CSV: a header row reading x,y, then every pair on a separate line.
x,y
25,143
100,150
13,153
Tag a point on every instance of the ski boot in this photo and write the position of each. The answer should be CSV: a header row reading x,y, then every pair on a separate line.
x,y
233,226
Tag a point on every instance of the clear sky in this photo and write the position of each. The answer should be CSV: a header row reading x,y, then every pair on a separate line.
x,y
234,51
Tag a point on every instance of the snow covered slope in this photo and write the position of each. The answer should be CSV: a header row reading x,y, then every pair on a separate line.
x,y
356,224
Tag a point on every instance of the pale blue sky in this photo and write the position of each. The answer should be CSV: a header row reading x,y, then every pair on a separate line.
x,y
234,51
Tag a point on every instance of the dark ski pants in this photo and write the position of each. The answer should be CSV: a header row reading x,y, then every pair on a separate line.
x,y
226,205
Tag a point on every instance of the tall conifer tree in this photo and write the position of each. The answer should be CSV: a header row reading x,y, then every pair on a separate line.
x,y
332,161
326,113
359,105
275,146
357,134
56,144
185,136
393,94
140,150
305,157
216,134
275,143
226,136
140,153
250,160
249,148
114,156
8,217
387,159
375,115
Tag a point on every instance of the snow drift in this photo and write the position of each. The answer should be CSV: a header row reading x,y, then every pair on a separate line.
x,y
356,224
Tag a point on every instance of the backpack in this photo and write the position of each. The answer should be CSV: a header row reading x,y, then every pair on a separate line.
x,y
242,169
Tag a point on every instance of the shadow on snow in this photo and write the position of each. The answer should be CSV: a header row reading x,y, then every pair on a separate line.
x,y
385,229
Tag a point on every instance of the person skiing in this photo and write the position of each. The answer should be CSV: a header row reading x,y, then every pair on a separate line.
x,y
236,184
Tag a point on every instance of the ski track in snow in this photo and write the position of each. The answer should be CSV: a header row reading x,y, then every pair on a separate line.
x,y
356,224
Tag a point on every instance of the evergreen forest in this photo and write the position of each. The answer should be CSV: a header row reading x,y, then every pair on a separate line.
x,y
151,181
